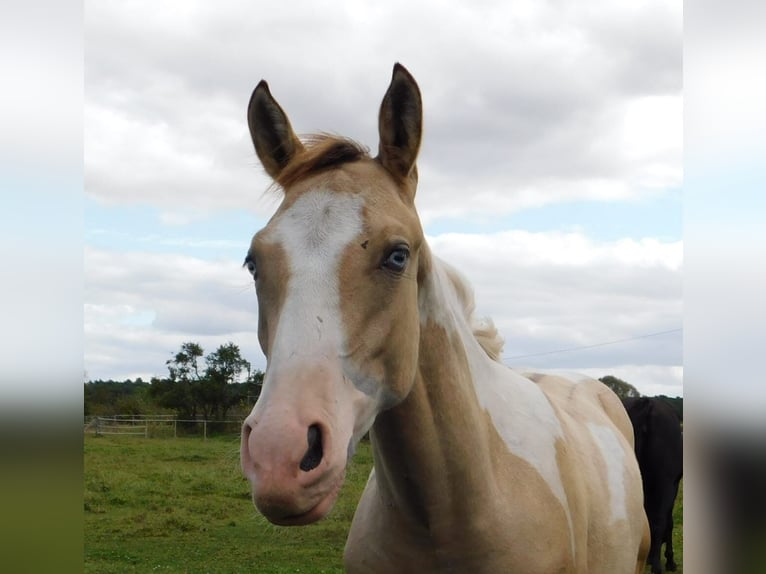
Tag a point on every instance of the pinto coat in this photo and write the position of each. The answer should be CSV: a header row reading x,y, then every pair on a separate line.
x,y
478,468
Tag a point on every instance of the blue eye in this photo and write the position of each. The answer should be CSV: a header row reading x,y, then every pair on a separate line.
x,y
397,259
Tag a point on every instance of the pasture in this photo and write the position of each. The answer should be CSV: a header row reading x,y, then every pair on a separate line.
x,y
182,505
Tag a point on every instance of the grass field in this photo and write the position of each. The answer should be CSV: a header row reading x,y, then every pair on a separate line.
x,y
182,505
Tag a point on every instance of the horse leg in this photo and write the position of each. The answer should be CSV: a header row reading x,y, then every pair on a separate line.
x,y
670,563
656,521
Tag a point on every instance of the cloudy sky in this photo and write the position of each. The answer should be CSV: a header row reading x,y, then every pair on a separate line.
x,y
550,171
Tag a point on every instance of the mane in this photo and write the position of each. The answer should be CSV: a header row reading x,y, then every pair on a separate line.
x,y
320,152
483,328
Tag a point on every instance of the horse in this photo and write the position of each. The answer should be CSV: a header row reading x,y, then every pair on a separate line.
x,y
659,450
477,467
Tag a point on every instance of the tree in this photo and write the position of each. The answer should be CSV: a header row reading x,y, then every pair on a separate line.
x,y
210,391
621,388
104,398
227,364
180,390
224,367
184,366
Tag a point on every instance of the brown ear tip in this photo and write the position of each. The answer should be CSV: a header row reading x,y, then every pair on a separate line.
x,y
262,89
399,69
262,85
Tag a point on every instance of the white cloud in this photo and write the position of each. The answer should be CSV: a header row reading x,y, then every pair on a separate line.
x,y
526,104
551,291
140,307
546,104
545,291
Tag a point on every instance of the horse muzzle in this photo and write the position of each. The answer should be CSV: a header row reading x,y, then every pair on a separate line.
x,y
294,469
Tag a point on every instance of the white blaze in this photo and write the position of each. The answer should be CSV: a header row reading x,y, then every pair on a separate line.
x,y
313,232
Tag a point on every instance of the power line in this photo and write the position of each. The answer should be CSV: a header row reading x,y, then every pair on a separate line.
x,y
646,336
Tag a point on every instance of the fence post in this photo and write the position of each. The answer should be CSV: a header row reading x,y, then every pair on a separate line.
x,y
204,429
175,428
98,426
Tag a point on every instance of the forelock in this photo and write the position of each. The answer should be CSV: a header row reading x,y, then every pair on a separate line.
x,y
321,152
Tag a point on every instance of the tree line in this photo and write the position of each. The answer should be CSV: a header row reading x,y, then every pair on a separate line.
x,y
219,385
198,386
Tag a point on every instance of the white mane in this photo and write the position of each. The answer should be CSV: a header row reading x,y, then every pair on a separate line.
x,y
483,328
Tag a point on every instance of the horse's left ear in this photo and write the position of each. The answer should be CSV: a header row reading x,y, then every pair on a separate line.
x,y
400,125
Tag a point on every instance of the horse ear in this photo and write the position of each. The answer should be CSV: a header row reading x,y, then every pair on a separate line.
x,y
400,125
275,142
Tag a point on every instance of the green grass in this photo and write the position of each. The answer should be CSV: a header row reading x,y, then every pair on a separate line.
x,y
182,505
678,531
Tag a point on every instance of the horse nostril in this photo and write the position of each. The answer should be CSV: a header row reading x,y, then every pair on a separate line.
x,y
313,455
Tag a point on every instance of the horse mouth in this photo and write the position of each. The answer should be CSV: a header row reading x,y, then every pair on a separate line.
x,y
316,512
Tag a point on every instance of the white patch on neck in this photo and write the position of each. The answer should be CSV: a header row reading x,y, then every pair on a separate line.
x,y
614,459
314,231
519,409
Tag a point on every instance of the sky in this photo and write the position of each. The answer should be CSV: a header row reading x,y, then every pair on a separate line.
x,y
550,170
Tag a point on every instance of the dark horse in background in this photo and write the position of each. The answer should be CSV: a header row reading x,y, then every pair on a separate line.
x,y
659,449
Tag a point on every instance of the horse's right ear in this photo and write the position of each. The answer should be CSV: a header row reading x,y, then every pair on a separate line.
x,y
275,142
400,125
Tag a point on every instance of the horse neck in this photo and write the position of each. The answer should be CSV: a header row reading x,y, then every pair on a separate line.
x,y
432,449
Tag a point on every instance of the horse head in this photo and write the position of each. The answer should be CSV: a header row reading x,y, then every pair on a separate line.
x,y
336,276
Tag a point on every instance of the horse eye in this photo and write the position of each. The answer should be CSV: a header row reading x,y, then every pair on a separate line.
x,y
397,259
250,264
